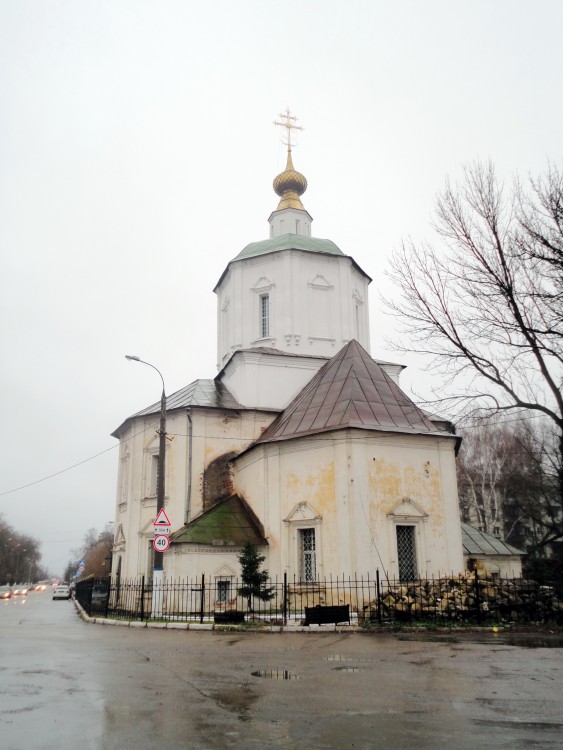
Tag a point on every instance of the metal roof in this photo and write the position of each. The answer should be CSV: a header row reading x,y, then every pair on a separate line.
x,y
229,523
289,242
477,542
202,392
278,352
350,390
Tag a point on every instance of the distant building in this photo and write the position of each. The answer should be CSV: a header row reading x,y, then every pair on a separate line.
x,y
490,555
302,444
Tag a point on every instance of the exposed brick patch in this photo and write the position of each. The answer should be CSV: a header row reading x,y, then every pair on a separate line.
x,y
217,480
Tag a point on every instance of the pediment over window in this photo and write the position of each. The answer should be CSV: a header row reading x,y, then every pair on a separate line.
x,y
153,444
119,539
148,528
302,512
224,571
407,509
263,284
320,282
119,535
358,297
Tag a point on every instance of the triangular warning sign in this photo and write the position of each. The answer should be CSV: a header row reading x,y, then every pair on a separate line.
x,y
161,519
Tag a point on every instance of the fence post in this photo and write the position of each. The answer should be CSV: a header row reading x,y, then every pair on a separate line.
x,y
106,612
202,602
378,596
285,598
90,588
142,597
477,597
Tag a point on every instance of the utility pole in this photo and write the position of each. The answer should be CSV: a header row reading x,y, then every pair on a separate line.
x,y
158,559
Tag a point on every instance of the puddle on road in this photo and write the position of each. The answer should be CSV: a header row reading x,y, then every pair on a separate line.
x,y
534,641
523,640
346,669
276,674
339,657
430,639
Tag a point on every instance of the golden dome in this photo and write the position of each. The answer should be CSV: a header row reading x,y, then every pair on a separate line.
x,y
290,185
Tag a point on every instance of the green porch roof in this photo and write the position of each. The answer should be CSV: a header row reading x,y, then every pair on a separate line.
x,y
229,523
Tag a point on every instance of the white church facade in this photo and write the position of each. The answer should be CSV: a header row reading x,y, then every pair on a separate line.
x,y
303,443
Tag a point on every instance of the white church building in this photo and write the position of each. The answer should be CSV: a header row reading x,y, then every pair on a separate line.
x,y
303,443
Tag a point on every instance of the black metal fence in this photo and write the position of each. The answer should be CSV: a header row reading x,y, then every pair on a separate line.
x,y
372,600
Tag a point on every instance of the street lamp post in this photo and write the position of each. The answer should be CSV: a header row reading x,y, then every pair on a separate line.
x,y
18,558
158,565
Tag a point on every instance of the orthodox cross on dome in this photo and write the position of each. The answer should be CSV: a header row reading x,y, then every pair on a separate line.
x,y
290,184
289,123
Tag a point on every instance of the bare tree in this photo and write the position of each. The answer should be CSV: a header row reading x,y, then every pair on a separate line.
x,y
484,471
507,483
95,555
20,556
488,303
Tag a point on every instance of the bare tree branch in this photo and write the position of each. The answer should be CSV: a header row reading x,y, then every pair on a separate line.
x,y
487,303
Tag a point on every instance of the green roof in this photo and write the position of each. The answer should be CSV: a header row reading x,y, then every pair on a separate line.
x,y
289,242
229,523
477,542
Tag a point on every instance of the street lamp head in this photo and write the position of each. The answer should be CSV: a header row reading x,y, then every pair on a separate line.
x,y
134,358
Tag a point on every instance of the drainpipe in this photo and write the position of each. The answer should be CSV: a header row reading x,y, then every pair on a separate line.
x,y
189,495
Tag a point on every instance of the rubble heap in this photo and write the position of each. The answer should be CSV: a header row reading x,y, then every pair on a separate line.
x,y
466,597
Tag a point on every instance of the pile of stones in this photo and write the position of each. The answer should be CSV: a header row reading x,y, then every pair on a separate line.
x,y
466,597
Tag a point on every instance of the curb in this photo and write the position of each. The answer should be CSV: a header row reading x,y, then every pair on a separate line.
x,y
212,626
290,628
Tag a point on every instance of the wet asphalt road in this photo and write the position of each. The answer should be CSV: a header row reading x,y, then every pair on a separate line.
x,y
67,684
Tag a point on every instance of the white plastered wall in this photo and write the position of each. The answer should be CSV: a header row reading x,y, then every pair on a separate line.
x,y
215,432
318,303
353,488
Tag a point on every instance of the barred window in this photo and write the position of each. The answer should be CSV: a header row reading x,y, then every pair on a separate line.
x,y
154,470
406,553
264,315
308,555
223,591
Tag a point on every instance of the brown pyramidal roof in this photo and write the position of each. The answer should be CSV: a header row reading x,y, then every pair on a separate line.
x,y
350,390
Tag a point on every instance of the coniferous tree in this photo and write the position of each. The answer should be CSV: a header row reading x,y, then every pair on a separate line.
x,y
254,580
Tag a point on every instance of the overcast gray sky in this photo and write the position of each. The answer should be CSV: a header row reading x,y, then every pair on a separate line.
x,y
137,153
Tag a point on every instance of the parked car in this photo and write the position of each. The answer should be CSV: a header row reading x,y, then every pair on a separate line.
x,y
5,592
61,591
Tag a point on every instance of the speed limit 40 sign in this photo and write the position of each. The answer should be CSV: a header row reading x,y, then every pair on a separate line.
x,y
161,543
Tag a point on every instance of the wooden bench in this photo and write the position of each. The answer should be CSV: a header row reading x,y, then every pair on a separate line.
x,y
326,615
230,617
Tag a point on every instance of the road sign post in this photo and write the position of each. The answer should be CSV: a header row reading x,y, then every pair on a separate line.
x,y
161,543
162,523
